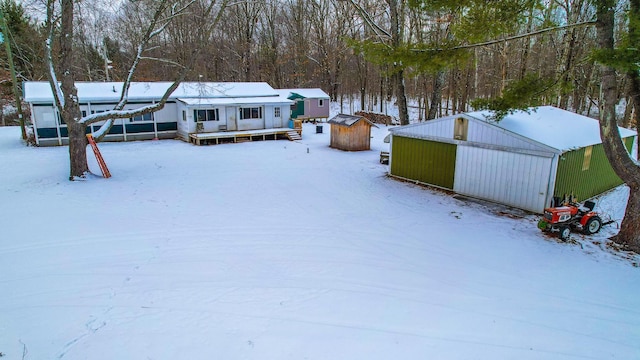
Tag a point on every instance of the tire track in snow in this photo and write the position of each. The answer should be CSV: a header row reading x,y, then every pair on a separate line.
x,y
102,319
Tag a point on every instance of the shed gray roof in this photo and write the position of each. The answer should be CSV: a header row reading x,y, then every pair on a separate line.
x,y
348,120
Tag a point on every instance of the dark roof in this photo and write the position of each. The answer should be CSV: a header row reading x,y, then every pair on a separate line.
x,y
348,120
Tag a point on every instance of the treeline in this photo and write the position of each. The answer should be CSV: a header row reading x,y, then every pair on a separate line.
x,y
541,49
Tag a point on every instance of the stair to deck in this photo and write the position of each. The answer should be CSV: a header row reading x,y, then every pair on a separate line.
x,y
293,135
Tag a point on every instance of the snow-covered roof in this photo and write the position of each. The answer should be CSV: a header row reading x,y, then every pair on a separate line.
x,y
560,129
237,100
40,91
304,93
348,120
555,129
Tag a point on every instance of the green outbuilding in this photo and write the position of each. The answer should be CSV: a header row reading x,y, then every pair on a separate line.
x,y
529,160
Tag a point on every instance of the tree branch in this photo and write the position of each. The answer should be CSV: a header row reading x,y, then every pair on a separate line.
x,y
58,96
379,31
118,113
167,61
515,37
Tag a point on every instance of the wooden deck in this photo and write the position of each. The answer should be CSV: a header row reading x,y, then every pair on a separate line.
x,y
241,136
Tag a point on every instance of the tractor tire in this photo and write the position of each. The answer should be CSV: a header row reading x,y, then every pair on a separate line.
x,y
564,232
592,226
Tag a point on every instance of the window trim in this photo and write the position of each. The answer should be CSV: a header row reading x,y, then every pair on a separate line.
x,y
207,113
142,118
250,112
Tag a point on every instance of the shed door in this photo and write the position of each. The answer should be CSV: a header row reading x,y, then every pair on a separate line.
x,y
429,162
232,115
519,180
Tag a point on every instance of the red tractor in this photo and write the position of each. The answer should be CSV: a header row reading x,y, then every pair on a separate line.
x,y
572,216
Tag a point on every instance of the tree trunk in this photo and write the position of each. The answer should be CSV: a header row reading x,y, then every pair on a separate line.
x,y
403,112
71,109
634,99
436,96
615,150
634,76
398,75
77,150
568,64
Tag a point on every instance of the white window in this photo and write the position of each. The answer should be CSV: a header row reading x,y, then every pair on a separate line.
x,y
206,115
184,115
276,112
143,117
251,113
320,102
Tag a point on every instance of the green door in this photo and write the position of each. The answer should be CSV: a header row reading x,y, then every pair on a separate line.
x,y
428,162
298,110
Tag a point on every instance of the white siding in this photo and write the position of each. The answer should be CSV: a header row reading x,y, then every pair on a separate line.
x,y
169,113
184,122
478,132
484,133
440,128
519,180
252,124
268,116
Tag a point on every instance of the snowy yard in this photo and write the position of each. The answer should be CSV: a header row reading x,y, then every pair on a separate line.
x,y
288,250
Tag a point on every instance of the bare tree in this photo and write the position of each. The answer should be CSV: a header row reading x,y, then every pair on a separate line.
x,y
63,85
242,26
270,44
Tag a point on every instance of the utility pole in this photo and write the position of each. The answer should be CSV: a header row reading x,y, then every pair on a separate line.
x,y
12,70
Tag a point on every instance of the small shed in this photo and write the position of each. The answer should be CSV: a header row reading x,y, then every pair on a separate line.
x,y
529,160
350,132
309,104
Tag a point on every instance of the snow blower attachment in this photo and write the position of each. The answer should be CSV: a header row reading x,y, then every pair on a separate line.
x,y
562,220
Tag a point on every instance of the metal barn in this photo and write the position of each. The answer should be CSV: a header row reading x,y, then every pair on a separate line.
x,y
527,160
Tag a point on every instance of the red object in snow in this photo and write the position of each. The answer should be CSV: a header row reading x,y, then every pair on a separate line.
x,y
103,166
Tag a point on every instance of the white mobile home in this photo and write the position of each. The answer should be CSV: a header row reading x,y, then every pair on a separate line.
x,y
202,107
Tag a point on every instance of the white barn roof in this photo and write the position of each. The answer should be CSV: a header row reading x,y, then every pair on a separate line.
x,y
40,91
557,128
546,128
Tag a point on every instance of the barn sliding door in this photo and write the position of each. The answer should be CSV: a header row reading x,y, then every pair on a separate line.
x,y
519,180
428,162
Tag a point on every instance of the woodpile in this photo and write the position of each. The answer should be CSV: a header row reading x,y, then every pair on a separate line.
x,y
376,118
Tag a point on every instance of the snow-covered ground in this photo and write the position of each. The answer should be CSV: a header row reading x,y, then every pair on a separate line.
x,y
289,250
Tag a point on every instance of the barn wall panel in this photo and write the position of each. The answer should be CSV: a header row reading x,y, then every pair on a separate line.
x,y
573,179
514,179
425,161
